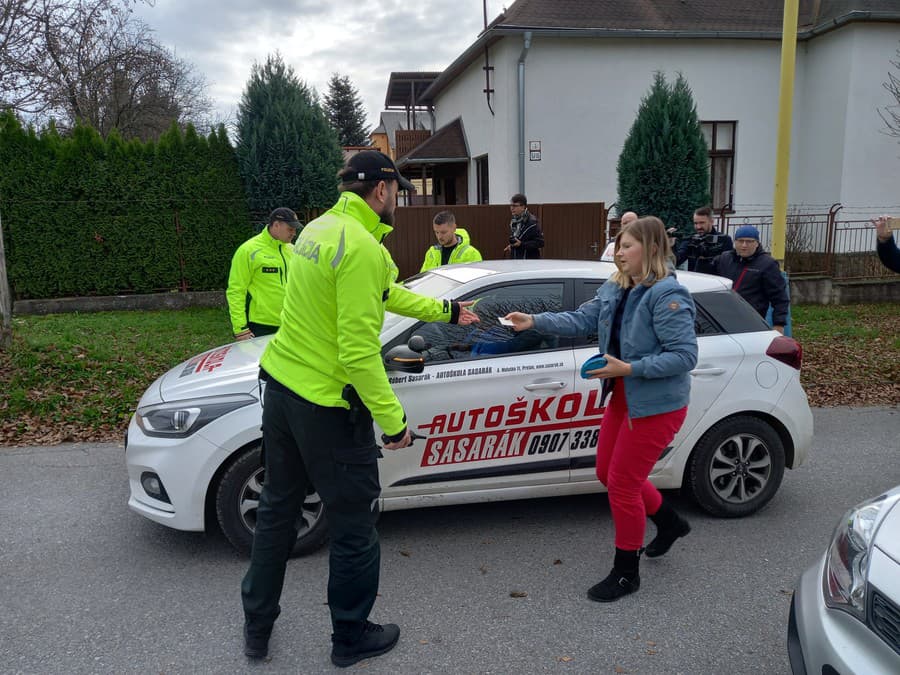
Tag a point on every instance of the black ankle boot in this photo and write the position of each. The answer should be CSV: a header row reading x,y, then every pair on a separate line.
x,y
623,579
669,527
256,645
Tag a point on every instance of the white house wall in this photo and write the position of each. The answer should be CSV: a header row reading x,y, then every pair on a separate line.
x,y
494,135
582,96
871,161
820,107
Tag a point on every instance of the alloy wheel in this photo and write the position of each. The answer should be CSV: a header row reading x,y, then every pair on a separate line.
x,y
248,503
740,468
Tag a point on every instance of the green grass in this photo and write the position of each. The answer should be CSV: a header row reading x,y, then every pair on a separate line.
x,y
851,353
79,376
841,321
850,322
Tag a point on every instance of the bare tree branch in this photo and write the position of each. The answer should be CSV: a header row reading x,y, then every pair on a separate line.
x,y
891,113
92,61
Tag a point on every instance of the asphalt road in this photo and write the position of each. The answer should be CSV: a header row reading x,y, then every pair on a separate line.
x,y
86,586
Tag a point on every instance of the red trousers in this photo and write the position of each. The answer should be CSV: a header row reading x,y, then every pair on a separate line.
x,y
626,452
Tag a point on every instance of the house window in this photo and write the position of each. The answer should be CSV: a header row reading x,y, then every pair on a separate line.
x,y
720,140
481,179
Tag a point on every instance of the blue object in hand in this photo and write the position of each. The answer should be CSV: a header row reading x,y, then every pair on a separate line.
x,y
594,363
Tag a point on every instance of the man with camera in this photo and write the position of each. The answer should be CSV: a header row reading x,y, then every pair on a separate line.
x,y
706,243
525,236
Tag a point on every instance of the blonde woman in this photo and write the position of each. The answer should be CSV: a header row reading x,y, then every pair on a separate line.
x,y
644,320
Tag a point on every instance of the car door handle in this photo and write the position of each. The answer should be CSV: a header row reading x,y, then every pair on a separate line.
x,y
545,385
708,371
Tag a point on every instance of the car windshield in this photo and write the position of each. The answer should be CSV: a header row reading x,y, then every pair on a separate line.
x,y
430,284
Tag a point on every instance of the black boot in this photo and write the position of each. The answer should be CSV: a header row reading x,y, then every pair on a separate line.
x,y
257,631
669,527
623,579
375,640
256,645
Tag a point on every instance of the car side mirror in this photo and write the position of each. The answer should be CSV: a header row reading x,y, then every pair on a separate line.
x,y
402,359
418,344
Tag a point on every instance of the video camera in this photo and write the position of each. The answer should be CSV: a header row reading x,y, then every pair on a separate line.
x,y
707,245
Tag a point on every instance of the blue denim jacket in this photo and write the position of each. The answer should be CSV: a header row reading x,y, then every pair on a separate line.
x,y
657,339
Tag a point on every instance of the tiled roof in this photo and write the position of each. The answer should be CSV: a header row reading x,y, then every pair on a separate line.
x,y
680,15
755,19
448,144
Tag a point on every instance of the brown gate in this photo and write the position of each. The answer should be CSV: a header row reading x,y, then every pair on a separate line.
x,y
571,231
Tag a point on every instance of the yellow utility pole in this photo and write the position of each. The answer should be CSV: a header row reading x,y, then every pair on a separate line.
x,y
785,116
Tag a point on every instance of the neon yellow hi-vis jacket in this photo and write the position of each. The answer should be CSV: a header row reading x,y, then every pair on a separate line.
x,y
342,280
463,253
256,282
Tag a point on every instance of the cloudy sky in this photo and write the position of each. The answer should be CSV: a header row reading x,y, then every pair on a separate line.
x,y
365,39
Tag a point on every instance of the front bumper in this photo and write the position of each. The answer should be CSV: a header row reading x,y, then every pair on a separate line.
x,y
183,465
820,638
186,466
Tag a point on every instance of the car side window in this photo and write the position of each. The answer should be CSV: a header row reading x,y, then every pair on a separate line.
x,y
726,312
488,337
588,292
704,325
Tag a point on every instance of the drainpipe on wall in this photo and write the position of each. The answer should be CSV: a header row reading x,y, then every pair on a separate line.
x,y
521,81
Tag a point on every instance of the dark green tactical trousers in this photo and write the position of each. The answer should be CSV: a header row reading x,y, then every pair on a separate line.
x,y
307,444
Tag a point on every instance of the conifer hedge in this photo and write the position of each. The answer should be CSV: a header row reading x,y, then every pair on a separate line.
x,y
663,169
86,216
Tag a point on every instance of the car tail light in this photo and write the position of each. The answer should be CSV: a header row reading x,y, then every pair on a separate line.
x,y
787,350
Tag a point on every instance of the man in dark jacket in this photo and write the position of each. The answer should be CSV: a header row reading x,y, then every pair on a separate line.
x,y
707,243
886,247
525,236
756,276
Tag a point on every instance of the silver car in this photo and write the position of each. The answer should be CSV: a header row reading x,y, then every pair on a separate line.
x,y
845,613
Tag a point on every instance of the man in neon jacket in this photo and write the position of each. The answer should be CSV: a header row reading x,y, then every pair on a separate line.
x,y
325,382
453,244
259,272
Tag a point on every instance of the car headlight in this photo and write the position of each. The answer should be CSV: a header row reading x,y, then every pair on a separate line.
x,y
847,561
180,419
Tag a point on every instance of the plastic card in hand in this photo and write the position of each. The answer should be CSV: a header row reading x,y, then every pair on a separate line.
x,y
504,321
594,363
893,224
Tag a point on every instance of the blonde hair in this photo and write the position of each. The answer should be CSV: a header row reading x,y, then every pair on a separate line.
x,y
650,233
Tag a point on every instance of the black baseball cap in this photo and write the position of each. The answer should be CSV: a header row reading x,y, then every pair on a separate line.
x,y
285,215
372,165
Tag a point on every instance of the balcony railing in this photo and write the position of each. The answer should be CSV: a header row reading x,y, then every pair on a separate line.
x,y
408,140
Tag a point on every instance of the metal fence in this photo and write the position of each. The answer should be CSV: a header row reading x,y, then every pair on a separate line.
x,y
816,244
819,244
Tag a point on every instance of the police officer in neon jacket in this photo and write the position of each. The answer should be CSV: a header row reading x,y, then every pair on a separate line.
x,y
341,283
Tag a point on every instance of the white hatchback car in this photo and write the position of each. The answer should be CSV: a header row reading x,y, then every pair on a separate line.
x,y
845,613
500,415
